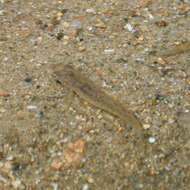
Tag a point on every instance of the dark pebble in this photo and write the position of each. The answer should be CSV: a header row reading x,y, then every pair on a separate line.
x,y
159,97
28,79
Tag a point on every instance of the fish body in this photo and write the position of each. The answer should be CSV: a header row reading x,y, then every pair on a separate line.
x,y
182,48
92,93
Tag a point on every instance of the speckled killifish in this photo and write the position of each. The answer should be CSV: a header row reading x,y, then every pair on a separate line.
x,y
90,92
182,48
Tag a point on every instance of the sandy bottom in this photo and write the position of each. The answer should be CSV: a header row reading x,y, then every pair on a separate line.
x,y
50,138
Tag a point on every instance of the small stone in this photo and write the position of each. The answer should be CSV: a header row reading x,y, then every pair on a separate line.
x,y
85,187
6,59
100,24
170,105
81,48
2,110
75,32
28,79
10,158
65,42
161,23
77,146
59,35
129,27
66,37
90,180
165,12
90,28
49,27
72,154
91,10
151,16
66,24
151,140
56,165
64,10
146,126
142,3
1,12
59,14
3,38
159,97
8,165
31,107
109,51
4,93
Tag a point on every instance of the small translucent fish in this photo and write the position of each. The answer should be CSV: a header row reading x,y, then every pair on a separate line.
x,y
90,92
182,48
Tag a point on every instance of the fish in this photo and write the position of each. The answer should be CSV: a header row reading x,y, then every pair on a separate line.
x,y
182,48
86,89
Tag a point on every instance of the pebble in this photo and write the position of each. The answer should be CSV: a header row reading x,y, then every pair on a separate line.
x,y
1,164
31,107
4,93
100,24
90,28
66,24
10,158
65,37
129,27
85,187
2,110
28,79
8,165
81,48
1,12
59,14
151,16
109,51
55,186
56,165
146,126
3,38
152,140
90,180
73,153
59,35
90,11
75,32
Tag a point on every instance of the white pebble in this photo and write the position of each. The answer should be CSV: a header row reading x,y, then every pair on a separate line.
x,y
55,186
129,27
109,51
90,28
6,59
146,126
85,187
151,139
31,107
10,158
150,16
90,11
1,12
